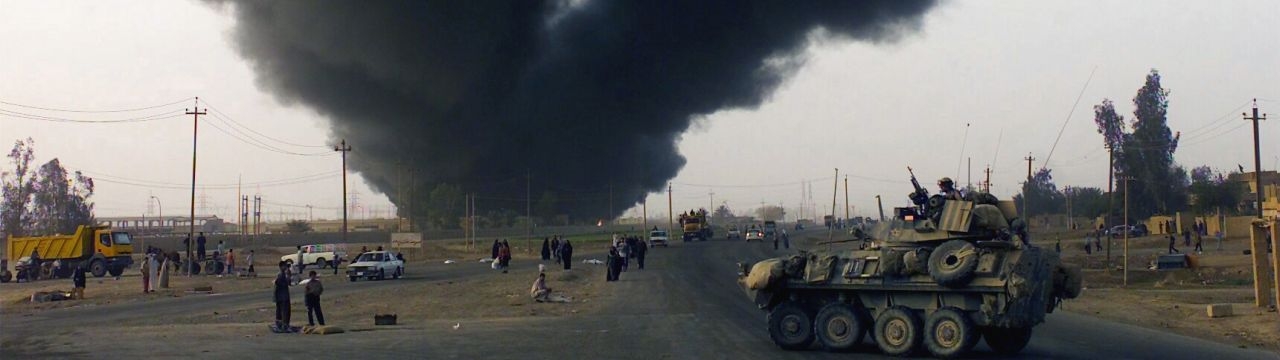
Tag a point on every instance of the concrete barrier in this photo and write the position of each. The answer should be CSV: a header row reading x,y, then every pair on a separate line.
x,y
1219,310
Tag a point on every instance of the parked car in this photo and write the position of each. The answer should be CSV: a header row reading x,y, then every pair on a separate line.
x,y
733,233
376,265
755,234
319,255
658,237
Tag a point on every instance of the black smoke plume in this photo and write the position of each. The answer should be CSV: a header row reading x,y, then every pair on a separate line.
x,y
587,97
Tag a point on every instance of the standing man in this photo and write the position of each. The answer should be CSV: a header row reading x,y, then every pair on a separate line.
x,y
146,274
231,262
786,240
1218,234
221,249
642,247
299,263
312,300
78,280
1173,241
282,298
200,240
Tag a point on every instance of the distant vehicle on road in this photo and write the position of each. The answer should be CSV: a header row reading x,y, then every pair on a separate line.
x,y
755,234
1118,231
376,265
658,237
770,228
733,233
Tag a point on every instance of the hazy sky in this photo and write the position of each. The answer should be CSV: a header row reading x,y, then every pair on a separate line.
x,y
1012,70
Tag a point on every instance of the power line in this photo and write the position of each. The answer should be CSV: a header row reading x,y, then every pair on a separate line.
x,y
153,117
96,111
226,117
262,145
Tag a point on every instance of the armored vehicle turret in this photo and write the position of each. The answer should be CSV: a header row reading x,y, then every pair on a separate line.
x,y
938,276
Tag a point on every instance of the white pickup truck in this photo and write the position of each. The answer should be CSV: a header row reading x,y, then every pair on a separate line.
x,y
321,255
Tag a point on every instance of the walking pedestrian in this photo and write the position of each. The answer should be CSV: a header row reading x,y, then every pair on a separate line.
x,y
1199,244
1057,246
775,241
1173,241
1218,234
566,254
555,248
612,265
496,246
312,300
200,240
1088,245
786,240
624,252
154,272
546,248
504,256
1186,234
282,298
337,259
641,249
77,281
249,261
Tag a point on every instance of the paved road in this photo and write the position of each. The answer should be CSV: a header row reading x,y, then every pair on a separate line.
x,y
686,305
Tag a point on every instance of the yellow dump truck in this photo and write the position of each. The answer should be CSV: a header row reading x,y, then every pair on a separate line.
x,y
97,248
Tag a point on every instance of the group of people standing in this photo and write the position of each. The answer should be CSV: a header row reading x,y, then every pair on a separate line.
x,y
501,255
559,249
621,251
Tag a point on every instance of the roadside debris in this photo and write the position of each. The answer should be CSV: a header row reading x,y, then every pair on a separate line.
x,y
449,261
593,262
47,296
384,319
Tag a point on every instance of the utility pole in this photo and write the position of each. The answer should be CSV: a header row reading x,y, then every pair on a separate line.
x,y
344,149
670,213
1111,194
528,209
986,184
969,173
880,205
244,216
610,215
1070,221
1026,193
257,216
309,217
834,183
711,201
1257,158
1126,179
195,131
846,198
644,206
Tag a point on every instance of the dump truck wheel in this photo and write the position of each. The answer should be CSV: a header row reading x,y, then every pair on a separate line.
x,y
115,271
949,333
840,327
321,263
1007,341
791,326
953,264
898,331
98,268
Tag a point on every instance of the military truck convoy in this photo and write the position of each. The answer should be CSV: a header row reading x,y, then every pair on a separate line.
x,y
98,248
939,276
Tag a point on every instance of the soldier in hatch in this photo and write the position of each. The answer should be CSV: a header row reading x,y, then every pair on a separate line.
x,y
947,189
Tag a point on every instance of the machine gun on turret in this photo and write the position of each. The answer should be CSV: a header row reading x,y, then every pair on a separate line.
x,y
920,197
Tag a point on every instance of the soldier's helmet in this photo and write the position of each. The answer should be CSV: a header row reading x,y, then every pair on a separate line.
x,y
946,183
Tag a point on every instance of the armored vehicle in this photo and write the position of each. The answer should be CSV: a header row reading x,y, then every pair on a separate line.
x,y
939,276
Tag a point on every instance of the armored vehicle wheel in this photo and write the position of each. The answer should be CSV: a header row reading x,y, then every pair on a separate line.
x,y
953,264
1007,341
98,268
898,331
791,326
840,326
949,333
